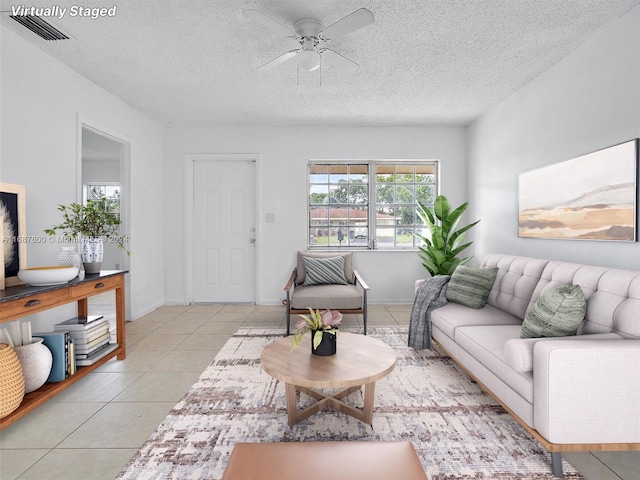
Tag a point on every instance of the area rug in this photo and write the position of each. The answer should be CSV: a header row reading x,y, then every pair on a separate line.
x,y
458,431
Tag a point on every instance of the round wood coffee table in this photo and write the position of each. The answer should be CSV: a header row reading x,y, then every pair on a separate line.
x,y
360,360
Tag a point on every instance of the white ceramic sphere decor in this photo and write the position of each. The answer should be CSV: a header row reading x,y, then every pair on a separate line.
x,y
69,256
51,275
36,361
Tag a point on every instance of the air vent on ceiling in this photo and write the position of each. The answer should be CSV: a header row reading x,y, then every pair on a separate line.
x,y
40,27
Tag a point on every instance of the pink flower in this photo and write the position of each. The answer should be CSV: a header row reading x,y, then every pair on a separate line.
x,y
331,318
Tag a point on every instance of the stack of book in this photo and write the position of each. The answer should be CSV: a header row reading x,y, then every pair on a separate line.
x,y
91,338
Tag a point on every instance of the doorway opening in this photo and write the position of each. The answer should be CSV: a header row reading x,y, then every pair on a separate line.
x,y
103,172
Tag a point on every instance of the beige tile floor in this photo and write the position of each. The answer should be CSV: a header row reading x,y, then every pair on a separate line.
x,y
92,429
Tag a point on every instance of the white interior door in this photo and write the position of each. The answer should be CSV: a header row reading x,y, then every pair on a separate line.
x,y
224,236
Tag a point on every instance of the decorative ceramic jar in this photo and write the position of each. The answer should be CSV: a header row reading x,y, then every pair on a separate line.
x,y
11,380
36,361
92,254
328,344
69,256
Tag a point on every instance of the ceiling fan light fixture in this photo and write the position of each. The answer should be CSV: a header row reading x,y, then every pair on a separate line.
x,y
309,60
313,36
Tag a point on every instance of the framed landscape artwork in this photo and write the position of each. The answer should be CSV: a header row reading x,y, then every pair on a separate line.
x,y
12,230
591,197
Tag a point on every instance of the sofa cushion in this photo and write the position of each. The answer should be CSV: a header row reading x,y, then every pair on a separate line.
x,y
348,264
321,271
557,313
337,297
470,286
486,345
516,281
518,352
454,315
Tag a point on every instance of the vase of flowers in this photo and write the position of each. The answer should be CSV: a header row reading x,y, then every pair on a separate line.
x,y
324,331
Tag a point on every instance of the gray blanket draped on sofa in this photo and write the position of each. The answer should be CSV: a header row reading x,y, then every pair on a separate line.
x,y
430,295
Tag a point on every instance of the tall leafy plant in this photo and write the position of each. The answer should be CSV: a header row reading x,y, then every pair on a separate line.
x,y
440,251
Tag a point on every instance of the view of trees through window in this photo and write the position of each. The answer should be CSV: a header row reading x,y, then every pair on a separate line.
x,y
370,203
96,191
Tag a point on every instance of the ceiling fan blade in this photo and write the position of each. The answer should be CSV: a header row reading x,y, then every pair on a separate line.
x,y
358,19
338,61
269,22
280,60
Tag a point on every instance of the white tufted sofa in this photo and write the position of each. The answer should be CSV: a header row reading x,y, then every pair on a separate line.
x,y
579,393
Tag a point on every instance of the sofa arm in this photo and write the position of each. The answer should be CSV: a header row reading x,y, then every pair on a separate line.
x,y
587,391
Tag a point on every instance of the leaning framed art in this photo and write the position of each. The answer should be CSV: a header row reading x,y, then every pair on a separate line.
x,y
13,230
590,197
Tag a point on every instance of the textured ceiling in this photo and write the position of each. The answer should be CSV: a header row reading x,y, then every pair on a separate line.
x,y
427,62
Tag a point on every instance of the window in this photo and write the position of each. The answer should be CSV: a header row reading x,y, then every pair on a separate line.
x,y
98,190
369,203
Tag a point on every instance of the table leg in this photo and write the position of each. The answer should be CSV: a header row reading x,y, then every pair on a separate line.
x,y
83,307
369,394
120,321
291,403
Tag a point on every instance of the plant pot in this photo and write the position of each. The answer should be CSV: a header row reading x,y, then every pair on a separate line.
x,y
328,344
92,254
36,361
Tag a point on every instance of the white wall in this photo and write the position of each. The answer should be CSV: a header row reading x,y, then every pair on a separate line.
x,y
41,102
103,170
587,101
282,190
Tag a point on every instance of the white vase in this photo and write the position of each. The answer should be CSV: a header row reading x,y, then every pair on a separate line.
x,y
92,254
36,361
69,256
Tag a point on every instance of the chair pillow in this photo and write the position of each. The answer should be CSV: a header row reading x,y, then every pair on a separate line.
x,y
557,313
320,271
470,286
348,263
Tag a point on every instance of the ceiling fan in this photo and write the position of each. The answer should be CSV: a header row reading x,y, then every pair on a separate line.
x,y
313,37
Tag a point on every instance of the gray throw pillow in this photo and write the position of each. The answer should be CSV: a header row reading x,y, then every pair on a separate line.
x,y
557,313
470,286
329,270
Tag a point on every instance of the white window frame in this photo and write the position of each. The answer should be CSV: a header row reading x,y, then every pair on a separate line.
x,y
372,241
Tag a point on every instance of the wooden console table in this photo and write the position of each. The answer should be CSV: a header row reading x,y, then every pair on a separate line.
x,y
20,301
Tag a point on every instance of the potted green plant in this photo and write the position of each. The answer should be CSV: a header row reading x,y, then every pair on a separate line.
x,y
440,251
324,328
94,223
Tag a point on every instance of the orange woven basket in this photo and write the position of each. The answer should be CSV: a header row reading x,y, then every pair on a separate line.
x,y
11,380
